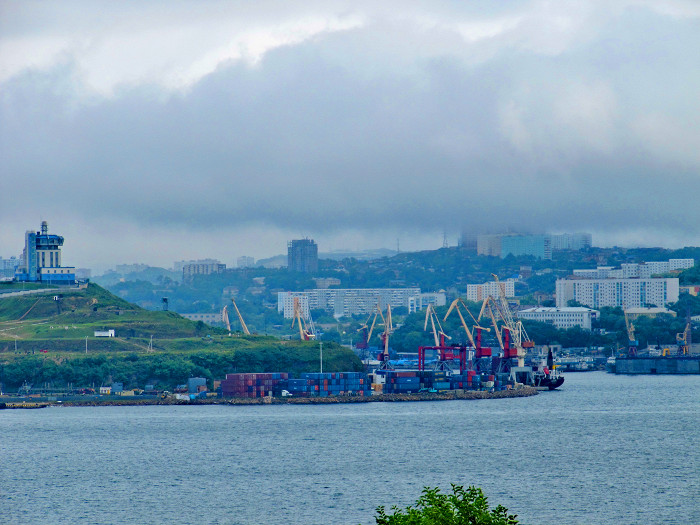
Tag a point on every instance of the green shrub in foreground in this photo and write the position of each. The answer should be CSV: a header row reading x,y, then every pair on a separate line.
x,y
462,507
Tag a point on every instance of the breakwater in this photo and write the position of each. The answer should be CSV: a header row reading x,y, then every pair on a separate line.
x,y
524,391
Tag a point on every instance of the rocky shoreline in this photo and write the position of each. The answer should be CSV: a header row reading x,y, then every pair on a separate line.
x,y
525,391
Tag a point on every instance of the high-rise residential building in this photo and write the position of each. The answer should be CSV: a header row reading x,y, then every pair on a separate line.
x,y
190,270
468,240
625,293
41,258
244,261
489,245
302,256
479,292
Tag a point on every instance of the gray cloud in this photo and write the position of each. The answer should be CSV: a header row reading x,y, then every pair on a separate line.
x,y
389,124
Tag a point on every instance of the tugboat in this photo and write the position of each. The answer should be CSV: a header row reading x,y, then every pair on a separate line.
x,y
546,376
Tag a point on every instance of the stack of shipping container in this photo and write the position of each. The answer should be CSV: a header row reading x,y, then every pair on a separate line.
x,y
329,384
358,384
402,382
252,385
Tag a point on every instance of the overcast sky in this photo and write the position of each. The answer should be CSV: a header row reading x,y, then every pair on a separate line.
x,y
159,131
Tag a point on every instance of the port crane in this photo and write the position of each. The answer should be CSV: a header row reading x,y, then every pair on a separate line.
x,y
446,353
518,334
480,351
388,329
307,331
227,322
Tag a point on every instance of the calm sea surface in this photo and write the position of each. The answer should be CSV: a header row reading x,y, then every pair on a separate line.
x,y
605,449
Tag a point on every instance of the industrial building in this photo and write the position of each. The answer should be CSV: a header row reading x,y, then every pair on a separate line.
x,y
41,259
479,292
626,293
355,301
302,256
563,318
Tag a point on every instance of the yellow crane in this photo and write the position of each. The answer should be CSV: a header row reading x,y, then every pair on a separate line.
x,y
377,312
306,332
456,306
240,318
438,332
487,308
227,322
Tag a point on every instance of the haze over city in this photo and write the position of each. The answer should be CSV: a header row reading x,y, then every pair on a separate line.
x,y
159,131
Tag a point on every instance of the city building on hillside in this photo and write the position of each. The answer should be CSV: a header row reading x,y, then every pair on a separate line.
x,y
505,244
489,245
8,267
41,259
539,246
353,301
571,241
302,256
643,270
83,274
130,268
179,265
285,303
421,301
625,293
244,261
633,313
326,282
190,270
479,292
562,318
467,240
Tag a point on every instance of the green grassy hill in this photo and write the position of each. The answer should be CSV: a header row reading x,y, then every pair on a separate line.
x,y
44,343
78,313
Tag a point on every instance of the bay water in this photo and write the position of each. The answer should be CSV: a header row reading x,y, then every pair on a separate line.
x,y
603,449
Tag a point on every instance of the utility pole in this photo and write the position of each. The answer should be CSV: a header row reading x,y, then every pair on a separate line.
x,y
86,344
320,344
